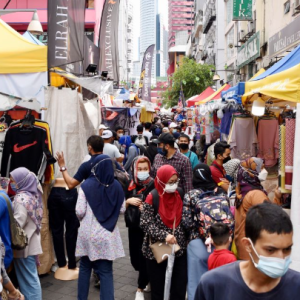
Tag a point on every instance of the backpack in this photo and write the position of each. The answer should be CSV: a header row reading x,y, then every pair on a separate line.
x,y
19,239
155,198
212,208
121,177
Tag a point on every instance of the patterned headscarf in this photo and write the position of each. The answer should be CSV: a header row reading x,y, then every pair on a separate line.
x,y
29,194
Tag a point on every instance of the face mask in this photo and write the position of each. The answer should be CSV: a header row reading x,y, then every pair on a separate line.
x,y
13,186
162,151
227,159
174,130
184,146
271,266
262,176
120,134
142,175
171,188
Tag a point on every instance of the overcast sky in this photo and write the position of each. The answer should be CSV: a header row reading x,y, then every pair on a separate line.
x,y
162,9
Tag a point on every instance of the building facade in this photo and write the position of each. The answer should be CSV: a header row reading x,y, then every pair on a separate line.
x,y
181,18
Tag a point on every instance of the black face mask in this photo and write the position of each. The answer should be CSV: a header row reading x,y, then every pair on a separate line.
x,y
184,146
227,159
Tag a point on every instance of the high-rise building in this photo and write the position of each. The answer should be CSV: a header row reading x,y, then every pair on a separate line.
x,y
181,18
148,30
125,40
160,45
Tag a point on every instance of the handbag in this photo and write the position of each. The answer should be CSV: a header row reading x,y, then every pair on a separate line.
x,y
162,250
19,239
132,216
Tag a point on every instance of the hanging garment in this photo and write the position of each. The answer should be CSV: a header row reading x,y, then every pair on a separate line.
x,y
289,152
146,116
243,138
282,161
25,147
226,122
268,141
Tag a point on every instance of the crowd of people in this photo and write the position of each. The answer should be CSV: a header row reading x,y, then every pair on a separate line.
x,y
231,241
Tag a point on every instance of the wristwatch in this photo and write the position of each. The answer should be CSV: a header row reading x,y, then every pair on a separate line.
x,y
62,169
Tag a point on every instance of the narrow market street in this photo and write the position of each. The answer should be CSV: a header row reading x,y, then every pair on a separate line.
x,y
125,278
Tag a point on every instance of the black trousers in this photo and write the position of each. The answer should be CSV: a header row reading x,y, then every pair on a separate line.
x,y
138,261
61,206
157,274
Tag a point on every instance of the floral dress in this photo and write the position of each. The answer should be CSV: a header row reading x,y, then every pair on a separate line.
x,y
93,240
154,227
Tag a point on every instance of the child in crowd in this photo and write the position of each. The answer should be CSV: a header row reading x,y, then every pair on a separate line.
x,y
221,239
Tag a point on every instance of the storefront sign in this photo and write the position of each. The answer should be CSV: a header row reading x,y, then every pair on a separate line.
x,y
242,10
285,38
249,51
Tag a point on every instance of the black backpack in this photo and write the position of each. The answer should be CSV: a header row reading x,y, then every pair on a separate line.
x,y
155,198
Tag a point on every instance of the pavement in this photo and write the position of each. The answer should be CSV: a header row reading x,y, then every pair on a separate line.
x,y
125,278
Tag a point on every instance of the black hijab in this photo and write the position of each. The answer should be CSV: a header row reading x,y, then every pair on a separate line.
x,y
202,178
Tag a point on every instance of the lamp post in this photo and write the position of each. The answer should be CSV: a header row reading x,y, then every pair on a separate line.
x,y
34,27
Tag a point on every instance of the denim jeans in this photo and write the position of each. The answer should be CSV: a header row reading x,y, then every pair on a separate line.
x,y
104,270
197,257
61,205
28,278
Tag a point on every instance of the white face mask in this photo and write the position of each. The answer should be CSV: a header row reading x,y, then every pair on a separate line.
x,y
142,175
262,176
171,188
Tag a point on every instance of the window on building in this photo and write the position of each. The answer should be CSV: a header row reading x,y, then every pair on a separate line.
x,y
287,7
229,11
230,44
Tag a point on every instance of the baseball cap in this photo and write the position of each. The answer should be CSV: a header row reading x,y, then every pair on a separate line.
x,y
166,138
107,134
102,126
173,125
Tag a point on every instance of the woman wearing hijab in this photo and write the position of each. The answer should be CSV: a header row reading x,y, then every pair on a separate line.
x,y
28,212
231,168
159,227
197,254
248,178
100,200
130,151
141,185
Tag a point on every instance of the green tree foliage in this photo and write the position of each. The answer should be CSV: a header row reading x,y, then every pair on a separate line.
x,y
195,78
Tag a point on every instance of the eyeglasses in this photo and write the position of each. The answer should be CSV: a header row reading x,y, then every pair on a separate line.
x,y
172,183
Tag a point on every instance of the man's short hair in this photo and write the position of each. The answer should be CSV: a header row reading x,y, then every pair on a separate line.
x,y
148,125
269,217
183,135
139,128
96,142
165,123
118,127
220,233
220,148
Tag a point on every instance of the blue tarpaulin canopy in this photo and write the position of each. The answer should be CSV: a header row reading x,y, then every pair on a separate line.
x,y
235,92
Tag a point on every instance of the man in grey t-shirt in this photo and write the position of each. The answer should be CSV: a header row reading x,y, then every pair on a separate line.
x,y
111,150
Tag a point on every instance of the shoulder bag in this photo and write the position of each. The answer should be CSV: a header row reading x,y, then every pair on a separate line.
x,y
19,239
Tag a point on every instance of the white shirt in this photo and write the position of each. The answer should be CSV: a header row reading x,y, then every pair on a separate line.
x,y
148,134
111,150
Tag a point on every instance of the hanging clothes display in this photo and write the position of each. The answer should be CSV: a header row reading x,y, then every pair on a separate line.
x,y
243,137
5,121
289,151
268,140
26,145
225,125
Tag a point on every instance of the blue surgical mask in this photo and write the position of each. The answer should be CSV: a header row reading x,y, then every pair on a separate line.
x,y
161,151
174,130
13,186
143,175
273,267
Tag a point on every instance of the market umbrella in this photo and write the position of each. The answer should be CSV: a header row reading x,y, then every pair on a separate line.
x,y
169,271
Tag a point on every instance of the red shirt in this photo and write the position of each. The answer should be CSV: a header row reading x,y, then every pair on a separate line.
x,y
217,172
220,258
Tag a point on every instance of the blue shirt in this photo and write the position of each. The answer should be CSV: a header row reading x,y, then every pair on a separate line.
x,y
5,229
226,282
193,158
85,169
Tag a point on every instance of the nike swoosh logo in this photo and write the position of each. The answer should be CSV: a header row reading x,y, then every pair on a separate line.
x,y
21,148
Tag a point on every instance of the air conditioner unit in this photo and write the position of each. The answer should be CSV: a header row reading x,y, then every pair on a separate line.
x,y
241,35
251,27
297,4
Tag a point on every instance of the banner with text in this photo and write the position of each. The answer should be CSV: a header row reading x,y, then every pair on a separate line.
x,y
144,91
108,42
98,4
242,10
65,33
249,51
